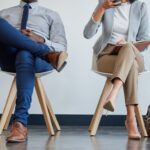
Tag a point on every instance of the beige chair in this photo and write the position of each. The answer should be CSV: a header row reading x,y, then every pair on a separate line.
x,y
49,116
99,109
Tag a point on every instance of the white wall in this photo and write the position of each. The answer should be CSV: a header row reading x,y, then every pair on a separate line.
x,y
76,89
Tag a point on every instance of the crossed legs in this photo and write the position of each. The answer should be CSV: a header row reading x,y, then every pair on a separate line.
x,y
14,38
125,67
25,65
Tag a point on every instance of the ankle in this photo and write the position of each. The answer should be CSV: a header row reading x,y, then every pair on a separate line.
x,y
25,125
130,119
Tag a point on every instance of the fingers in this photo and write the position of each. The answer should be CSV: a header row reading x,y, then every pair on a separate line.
x,y
24,31
113,6
117,4
110,1
121,41
30,33
110,4
27,32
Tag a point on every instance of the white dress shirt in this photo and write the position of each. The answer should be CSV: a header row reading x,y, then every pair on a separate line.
x,y
42,21
121,23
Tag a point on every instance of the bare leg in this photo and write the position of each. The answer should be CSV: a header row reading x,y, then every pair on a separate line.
x,y
131,123
117,84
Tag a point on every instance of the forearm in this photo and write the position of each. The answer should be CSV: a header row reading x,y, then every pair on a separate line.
x,y
94,23
98,14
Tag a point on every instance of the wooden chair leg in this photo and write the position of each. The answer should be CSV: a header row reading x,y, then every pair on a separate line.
x,y
8,105
42,101
98,113
54,119
140,121
10,114
100,103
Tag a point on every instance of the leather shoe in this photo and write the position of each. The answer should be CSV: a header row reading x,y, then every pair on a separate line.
x,y
57,59
18,133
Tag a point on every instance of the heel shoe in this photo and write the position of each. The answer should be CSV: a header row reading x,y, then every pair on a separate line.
x,y
133,136
109,106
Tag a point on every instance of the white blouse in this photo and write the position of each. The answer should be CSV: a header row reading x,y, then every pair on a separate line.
x,y
121,23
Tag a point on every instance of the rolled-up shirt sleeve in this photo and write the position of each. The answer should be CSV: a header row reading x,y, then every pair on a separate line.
x,y
57,36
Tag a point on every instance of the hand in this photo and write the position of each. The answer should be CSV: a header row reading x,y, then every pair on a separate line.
x,y
118,46
33,36
98,14
109,4
121,42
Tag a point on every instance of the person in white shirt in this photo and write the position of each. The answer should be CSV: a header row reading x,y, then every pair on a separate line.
x,y
32,40
123,22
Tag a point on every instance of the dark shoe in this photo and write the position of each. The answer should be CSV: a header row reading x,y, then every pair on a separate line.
x,y
57,59
109,106
18,133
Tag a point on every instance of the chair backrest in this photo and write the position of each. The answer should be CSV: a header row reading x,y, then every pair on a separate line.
x,y
94,64
108,75
38,75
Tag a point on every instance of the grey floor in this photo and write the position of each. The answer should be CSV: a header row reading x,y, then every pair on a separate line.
x,y
76,138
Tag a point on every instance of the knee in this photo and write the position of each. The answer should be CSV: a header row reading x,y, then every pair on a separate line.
x,y
2,21
24,57
127,46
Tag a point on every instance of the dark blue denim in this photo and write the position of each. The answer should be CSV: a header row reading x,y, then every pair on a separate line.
x,y
20,54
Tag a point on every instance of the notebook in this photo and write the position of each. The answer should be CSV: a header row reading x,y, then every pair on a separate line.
x,y
140,45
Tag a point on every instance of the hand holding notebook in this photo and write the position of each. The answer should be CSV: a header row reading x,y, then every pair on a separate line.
x,y
140,45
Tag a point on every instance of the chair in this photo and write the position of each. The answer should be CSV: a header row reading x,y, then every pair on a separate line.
x,y
99,109
46,107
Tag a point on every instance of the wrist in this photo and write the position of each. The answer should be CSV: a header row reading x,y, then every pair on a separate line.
x,y
42,40
98,14
102,7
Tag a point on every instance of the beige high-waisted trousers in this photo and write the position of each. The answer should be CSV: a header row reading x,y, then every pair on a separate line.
x,y
125,65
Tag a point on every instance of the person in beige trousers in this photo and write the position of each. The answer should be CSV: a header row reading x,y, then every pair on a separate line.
x,y
123,22
125,66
